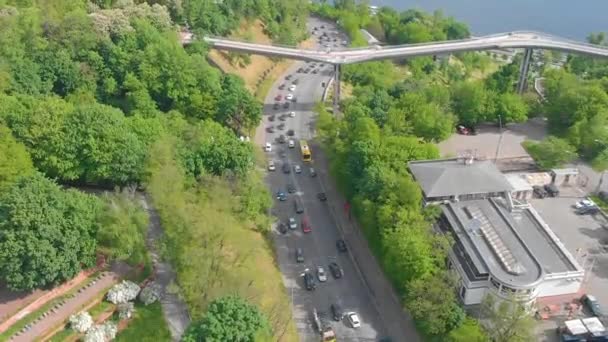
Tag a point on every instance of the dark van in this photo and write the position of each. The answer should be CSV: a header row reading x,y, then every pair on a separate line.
x,y
297,204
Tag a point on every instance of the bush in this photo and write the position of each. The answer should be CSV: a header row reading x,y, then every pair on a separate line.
x,y
123,292
81,322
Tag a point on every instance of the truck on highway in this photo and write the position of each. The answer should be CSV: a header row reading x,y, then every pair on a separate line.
x,y
583,330
326,331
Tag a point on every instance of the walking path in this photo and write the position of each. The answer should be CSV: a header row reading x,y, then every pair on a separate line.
x,y
62,311
175,310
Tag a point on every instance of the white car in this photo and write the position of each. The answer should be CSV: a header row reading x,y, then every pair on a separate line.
x,y
297,168
271,166
268,147
292,87
292,223
321,274
292,114
292,143
584,204
289,97
353,319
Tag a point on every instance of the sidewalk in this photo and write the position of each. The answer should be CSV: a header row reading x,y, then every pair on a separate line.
x,y
399,323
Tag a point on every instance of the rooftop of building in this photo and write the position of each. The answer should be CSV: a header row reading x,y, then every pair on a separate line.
x,y
518,182
512,247
451,177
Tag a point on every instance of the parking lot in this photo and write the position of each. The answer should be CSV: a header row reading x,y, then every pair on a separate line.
x,y
586,237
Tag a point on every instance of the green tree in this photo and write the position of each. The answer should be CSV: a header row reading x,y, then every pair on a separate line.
x,y
15,162
469,331
507,320
48,233
237,108
472,102
228,318
551,152
511,108
504,79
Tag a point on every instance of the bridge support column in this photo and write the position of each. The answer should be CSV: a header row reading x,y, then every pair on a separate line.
x,y
336,102
522,83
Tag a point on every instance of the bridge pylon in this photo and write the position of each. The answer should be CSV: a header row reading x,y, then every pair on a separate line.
x,y
336,99
522,83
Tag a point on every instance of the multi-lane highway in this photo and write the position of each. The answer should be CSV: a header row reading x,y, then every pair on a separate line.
x,y
338,55
352,292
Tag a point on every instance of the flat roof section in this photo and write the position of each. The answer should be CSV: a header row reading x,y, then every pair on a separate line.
x,y
485,228
454,177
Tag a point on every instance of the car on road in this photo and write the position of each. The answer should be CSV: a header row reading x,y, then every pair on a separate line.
x,y
315,71
341,245
276,106
286,105
306,225
307,71
322,197
313,173
321,275
300,70
297,168
336,312
593,305
281,195
299,255
588,210
299,208
286,168
271,118
290,132
270,129
584,204
291,188
296,81
292,223
552,190
271,166
309,281
281,139
282,228
282,86
281,126
268,147
282,117
278,97
292,114
292,143
283,154
288,77
336,270
292,87
539,191
353,319
289,97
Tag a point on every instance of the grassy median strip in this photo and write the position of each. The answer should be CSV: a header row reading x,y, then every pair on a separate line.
x,y
147,324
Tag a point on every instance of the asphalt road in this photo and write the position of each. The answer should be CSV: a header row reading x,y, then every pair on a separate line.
x,y
352,291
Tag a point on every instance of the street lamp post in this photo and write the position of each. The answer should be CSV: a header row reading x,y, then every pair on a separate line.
x,y
499,138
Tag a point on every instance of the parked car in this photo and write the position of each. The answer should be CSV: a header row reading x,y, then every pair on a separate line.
x,y
321,275
292,223
587,210
336,312
292,87
336,270
584,204
309,281
322,197
268,147
462,130
552,190
282,86
289,97
271,166
306,225
299,255
353,319
593,305
539,191
278,97
282,228
270,129
341,245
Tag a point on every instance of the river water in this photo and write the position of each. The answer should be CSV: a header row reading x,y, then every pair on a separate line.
x,y
567,18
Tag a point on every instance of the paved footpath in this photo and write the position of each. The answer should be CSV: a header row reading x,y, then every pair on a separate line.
x,y
70,306
399,323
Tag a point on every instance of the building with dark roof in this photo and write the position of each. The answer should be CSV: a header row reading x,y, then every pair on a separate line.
x,y
501,246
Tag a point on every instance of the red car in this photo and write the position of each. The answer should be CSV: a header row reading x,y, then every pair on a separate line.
x,y
278,97
463,130
306,226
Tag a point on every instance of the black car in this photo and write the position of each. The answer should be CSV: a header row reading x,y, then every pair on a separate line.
x,y
291,188
315,71
336,312
282,139
341,245
276,106
552,190
306,71
286,169
282,86
290,132
296,81
322,197
286,105
270,129
300,70
309,281
299,255
282,228
271,118
593,305
539,191
281,126
588,210
336,270
288,77
282,117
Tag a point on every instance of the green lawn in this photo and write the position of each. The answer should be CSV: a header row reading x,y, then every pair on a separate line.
x,y
148,324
